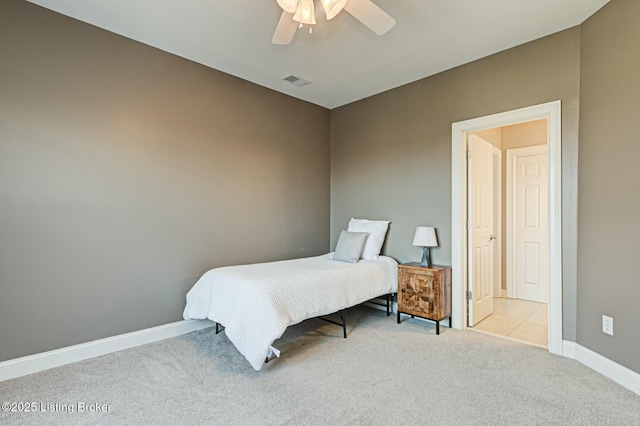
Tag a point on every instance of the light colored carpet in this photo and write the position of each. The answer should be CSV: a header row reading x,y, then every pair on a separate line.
x,y
383,373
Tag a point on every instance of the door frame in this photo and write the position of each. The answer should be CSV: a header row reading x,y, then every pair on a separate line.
x,y
512,156
550,111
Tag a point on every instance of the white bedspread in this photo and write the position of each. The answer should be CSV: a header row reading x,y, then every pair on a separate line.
x,y
257,302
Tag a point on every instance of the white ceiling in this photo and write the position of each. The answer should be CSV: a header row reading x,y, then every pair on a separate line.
x,y
343,59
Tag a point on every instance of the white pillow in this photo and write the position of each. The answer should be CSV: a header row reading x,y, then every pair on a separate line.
x,y
377,229
350,246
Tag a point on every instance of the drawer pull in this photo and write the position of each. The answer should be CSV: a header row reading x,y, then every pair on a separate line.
x,y
403,290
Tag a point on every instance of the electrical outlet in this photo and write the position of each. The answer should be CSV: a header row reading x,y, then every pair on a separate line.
x,y
607,325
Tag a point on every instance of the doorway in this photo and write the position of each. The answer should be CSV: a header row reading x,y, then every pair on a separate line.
x,y
460,264
509,290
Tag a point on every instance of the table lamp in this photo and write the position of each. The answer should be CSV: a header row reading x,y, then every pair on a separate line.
x,y
425,237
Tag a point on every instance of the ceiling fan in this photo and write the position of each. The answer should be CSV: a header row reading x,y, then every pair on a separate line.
x,y
296,13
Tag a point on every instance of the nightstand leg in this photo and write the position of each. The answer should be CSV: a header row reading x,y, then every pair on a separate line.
x,y
398,317
438,328
449,321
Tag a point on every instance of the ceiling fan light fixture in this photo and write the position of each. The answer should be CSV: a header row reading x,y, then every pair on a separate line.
x,y
333,7
305,13
288,6
297,13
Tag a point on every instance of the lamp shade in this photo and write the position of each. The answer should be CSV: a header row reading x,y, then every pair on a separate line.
x,y
305,13
288,6
333,7
425,237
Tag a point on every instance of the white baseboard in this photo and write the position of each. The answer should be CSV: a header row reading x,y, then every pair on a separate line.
x,y
569,349
43,361
614,371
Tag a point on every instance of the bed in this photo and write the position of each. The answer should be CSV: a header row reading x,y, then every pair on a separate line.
x,y
256,303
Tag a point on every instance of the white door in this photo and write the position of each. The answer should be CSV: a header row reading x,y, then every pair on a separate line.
x,y
529,233
481,233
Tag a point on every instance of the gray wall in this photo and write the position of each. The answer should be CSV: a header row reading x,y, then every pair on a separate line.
x,y
609,204
126,172
395,164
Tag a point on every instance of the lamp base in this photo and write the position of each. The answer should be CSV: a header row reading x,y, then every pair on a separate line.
x,y
426,257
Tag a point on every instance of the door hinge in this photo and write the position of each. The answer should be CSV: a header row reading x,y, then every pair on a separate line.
x,y
468,224
469,295
468,154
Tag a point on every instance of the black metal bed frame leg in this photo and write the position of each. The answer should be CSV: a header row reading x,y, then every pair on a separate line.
x,y
388,303
218,328
343,324
389,299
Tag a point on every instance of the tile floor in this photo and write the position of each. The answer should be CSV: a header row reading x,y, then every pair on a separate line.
x,y
517,319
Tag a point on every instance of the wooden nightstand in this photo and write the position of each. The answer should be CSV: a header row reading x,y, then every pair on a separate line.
x,y
425,292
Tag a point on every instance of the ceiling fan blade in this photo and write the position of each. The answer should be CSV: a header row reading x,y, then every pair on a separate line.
x,y
371,15
285,30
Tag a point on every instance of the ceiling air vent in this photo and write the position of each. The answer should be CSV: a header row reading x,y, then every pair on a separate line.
x,y
295,80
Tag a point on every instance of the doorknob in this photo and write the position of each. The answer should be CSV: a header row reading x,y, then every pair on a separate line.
x,y
492,237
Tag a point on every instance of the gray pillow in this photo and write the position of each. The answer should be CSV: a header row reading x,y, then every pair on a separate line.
x,y
350,246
